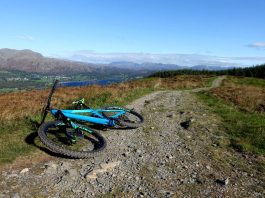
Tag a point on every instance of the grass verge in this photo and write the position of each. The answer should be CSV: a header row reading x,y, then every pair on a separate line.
x,y
245,129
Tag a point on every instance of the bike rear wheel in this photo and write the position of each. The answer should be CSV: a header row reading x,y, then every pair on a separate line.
x,y
53,134
130,119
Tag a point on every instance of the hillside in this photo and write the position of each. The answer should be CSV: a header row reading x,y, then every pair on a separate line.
x,y
29,61
257,71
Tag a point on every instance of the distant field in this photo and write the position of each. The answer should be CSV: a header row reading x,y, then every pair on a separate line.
x,y
14,80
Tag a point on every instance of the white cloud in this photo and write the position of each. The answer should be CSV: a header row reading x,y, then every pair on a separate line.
x,y
179,59
91,56
258,45
25,37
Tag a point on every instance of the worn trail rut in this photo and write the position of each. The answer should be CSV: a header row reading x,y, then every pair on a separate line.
x,y
160,159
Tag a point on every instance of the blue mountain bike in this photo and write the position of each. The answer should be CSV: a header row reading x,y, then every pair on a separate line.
x,y
69,134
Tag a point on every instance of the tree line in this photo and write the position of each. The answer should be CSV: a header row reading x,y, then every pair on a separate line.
x,y
255,71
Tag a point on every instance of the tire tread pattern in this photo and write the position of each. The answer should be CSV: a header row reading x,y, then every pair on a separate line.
x,y
67,152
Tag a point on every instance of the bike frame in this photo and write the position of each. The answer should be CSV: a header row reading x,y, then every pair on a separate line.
x,y
97,118
96,115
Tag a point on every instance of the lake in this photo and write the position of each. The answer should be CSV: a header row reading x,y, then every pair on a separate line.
x,y
88,83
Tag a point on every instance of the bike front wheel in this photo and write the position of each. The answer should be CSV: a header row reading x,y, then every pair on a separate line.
x,y
130,118
55,135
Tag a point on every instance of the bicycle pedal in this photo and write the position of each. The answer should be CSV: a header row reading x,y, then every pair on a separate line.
x,y
80,134
77,133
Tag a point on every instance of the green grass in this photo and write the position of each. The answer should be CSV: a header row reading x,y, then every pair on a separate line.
x,y
245,129
13,137
247,81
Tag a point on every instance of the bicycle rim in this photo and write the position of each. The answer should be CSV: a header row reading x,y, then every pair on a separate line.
x,y
55,135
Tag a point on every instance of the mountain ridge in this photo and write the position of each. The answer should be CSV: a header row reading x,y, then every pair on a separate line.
x,y
30,61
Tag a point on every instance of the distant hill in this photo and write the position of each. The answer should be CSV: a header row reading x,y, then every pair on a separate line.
x,y
255,71
145,66
161,66
210,68
29,61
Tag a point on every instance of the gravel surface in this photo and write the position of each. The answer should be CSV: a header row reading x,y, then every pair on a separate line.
x,y
177,153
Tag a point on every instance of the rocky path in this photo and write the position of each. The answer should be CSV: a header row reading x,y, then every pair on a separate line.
x,y
216,83
177,153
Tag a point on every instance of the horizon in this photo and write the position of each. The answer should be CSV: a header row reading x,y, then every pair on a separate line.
x,y
185,60
183,33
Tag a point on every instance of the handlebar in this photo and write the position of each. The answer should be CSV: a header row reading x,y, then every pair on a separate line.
x,y
79,101
80,104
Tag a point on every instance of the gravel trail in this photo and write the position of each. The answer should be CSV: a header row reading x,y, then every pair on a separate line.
x,y
175,154
216,83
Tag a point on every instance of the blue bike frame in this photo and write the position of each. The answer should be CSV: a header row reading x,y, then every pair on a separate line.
x,y
97,117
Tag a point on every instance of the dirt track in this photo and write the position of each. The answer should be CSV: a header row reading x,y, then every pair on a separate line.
x,y
177,153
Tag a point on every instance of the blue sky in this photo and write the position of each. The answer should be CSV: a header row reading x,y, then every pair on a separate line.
x,y
223,28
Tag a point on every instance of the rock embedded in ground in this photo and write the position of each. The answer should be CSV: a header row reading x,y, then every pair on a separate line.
x,y
25,170
223,182
171,115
